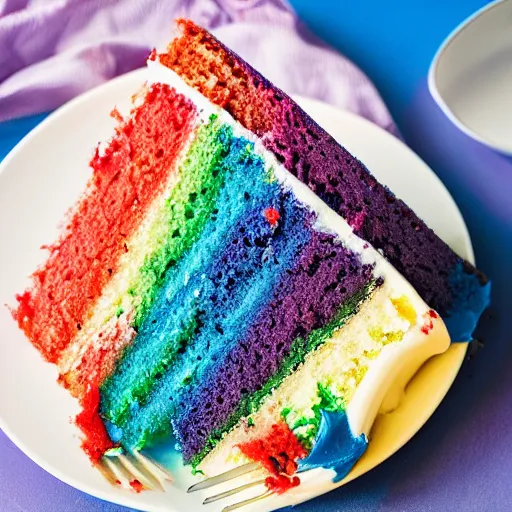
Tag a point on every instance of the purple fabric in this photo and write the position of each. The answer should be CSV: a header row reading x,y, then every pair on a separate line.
x,y
53,50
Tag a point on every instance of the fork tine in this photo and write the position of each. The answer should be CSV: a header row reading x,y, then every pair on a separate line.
x,y
224,477
108,473
154,468
241,504
139,475
117,474
230,492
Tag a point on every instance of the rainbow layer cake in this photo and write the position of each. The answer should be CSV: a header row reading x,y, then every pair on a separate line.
x,y
236,279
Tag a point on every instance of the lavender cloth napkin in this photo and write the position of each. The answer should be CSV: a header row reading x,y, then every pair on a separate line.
x,y
53,50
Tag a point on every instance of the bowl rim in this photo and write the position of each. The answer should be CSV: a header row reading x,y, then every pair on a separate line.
x,y
432,78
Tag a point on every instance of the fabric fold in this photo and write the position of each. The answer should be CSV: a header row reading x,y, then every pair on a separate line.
x,y
52,51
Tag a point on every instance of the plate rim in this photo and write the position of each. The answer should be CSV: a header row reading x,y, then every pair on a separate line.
x,y
303,101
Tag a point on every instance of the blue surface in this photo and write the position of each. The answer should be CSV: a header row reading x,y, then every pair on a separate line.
x,y
462,459
392,41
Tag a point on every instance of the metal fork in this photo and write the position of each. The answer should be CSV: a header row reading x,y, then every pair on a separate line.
x,y
127,468
131,469
258,479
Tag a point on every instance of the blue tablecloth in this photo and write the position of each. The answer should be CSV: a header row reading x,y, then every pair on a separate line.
x,y
462,459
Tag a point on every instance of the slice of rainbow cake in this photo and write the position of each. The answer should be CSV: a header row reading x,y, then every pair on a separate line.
x,y
236,279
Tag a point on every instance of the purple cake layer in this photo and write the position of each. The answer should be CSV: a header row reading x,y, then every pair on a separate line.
x,y
307,298
447,283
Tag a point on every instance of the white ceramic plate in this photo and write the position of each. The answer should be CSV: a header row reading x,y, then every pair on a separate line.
x,y
471,76
44,175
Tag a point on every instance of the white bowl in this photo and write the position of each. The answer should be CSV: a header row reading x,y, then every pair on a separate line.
x,y
471,76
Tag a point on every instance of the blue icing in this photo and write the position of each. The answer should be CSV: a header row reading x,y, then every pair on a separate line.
x,y
335,447
114,432
471,300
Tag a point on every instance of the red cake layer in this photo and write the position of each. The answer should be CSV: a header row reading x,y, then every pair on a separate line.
x,y
281,483
250,102
278,452
125,180
96,441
